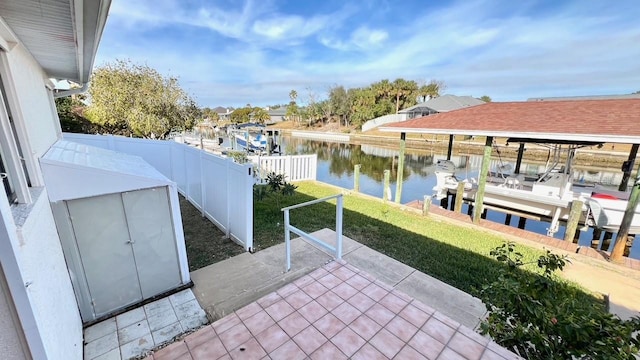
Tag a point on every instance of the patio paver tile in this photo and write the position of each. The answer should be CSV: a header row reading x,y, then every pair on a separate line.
x,y
199,337
248,350
345,291
133,331
365,327
166,333
287,290
111,355
293,324
130,317
426,308
426,345
409,353
448,354
172,351
160,314
312,311
328,351
248,311
258,322
368,352
329,300
361,302
330,281
279,310
289,351
309,340
100,329
211,349
346,313
318,273
181,297
235,336
272,338
447,320
375,292
380,314
269,300
414,315
482,340
329,325
101,345
347,341
358,282
387,343
393,303
303,281
334,265
298,299
137,347
401,328
343,273
314,289
226,323
438,330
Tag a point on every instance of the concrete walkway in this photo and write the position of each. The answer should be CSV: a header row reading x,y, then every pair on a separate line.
x,y
227,286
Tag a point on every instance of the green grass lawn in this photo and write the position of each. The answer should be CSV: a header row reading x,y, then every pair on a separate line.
x,y
457,255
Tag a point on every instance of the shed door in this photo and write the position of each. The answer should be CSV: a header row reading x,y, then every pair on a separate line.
x,y
153,237
100,228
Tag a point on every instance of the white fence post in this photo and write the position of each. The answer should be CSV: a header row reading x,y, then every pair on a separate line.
x,y
287,240
339,227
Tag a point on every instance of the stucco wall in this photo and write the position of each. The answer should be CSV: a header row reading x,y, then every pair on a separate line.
x,y
10,343
29,83
41,261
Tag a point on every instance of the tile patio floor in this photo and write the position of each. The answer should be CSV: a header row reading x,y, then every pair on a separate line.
x,y
134,333
335,312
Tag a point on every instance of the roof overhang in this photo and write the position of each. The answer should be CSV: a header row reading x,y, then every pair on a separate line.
x,y
596,121
62,35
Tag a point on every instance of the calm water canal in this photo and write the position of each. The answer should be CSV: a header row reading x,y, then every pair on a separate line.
x,y
336,163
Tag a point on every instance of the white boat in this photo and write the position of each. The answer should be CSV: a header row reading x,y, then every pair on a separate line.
x,y
257,143
606,212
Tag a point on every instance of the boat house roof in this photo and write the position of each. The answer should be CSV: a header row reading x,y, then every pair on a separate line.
x,y
613,121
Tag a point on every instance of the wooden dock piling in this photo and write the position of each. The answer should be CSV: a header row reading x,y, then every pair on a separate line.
x,y
574,218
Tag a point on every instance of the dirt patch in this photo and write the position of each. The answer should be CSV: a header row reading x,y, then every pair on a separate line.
x,y
206,244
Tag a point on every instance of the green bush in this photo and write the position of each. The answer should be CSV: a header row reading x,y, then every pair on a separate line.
x,y
540,317
276,187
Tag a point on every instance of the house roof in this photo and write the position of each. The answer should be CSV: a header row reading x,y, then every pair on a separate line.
x,y
62,35
281,111
446,103
588,97
577,120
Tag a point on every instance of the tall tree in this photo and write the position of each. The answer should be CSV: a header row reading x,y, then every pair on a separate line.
x,y
260,115
293,112
340,103
136,99
404,92
431,90
241,115
485,98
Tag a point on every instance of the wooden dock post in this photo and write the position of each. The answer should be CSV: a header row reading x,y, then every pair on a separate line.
x,y
450,147
426,205
595,240
457,207
621,239
403,144
356,178
572,222
606,240
386,190
269,149
507,220
482,180
628,168
519,159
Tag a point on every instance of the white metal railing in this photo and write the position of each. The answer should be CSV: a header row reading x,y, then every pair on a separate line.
x,y
294,167
288,229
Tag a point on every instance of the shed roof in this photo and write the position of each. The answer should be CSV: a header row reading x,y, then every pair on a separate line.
x,y
615,121
72,170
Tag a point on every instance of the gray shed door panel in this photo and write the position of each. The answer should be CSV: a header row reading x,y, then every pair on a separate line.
x,y
152,233
100,228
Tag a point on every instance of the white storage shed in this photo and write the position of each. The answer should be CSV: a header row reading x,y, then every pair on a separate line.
x,y
122,236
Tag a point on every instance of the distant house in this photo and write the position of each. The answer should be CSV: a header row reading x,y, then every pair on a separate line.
x,y
441,104
224,114
277,115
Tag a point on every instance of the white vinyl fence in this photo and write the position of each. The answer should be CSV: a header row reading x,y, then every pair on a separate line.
x,y
217,186
294,167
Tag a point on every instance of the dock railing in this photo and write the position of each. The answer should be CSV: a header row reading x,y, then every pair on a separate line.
x,y
294,167
288,229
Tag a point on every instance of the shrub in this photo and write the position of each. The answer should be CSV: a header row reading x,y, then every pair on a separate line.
x,y
276,187
540,317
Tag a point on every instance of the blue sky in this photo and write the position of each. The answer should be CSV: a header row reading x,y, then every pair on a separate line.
x,y
231,53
